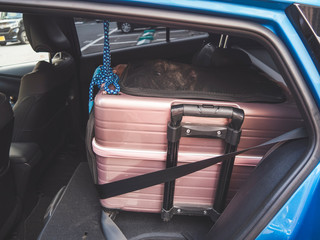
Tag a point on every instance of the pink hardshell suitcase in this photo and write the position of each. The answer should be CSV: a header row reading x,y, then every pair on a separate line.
x,y
131,139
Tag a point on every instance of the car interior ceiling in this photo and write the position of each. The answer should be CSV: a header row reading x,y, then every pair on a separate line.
x,y
48,133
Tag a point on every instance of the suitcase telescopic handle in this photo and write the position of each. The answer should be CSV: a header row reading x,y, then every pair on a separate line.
x,y
235,114
174,133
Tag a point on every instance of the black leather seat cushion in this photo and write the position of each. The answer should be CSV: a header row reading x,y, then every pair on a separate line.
x,y
23,157
24,153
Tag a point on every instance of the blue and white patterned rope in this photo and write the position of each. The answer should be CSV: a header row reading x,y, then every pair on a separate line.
x,y
104,74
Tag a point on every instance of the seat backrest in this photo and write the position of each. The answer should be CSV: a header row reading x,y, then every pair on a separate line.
x,y
42,98
259,187
6,125
40,109
8,199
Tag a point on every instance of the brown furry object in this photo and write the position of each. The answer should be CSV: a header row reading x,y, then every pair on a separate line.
x,y
163,78
161,74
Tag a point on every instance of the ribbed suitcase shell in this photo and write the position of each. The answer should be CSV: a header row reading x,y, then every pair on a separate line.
x,y
130,139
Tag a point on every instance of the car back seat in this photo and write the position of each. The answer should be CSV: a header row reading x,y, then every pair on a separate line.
x,y
257,190
40,109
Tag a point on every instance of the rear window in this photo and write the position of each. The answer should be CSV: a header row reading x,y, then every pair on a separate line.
x,y
125,34
307,21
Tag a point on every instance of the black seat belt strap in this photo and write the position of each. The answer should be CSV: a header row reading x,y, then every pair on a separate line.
x,y
150,179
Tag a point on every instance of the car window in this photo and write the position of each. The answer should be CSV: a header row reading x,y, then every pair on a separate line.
x,y
312,14
14,44
307,20
10,15
124,34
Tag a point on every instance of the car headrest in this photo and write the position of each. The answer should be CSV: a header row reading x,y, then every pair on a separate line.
x,y
203,57
44,34
211,56
229,57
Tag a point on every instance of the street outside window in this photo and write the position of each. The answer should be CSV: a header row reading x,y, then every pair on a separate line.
x,y
14,44
124,35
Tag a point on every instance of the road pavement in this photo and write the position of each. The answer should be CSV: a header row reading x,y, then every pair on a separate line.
x,y
16,53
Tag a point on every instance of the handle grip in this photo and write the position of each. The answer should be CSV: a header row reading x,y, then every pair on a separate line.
x,y
235,114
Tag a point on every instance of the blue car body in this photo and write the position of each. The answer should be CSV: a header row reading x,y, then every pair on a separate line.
x,y
298,218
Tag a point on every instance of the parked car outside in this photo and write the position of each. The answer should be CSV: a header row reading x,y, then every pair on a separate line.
x,y
12,28
127,27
